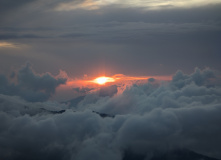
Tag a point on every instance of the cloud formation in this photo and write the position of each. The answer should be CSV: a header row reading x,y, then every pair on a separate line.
x,y
150,4
29,85
8,45
149,118
112,33
10,4
125,37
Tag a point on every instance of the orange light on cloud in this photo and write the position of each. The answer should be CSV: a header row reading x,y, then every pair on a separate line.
x,y
103,80
133,78
8,45
116,79
150,5
87,4
96,82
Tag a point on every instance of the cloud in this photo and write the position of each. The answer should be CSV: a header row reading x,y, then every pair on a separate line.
x,y
82,91
150,5
10,4
186,34
149,118
87,4
31,86
108,91
8,45
68,5
182,113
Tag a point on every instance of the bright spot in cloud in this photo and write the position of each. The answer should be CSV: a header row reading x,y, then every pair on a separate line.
x,y
8,45
103,80
65,92
115,79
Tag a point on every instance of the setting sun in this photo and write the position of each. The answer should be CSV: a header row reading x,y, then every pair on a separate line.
x,y
103,80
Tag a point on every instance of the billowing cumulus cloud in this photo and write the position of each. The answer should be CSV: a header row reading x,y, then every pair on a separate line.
x,y
149,118
29,85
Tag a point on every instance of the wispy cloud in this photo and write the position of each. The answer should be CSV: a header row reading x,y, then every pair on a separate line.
x,y
9,45
150,4
88,5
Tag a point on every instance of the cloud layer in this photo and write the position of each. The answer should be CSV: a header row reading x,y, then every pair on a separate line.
x,y
125,37
29,85
149,118
149,5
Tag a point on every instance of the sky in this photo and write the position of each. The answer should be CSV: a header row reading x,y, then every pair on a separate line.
x,y
161,86
139,38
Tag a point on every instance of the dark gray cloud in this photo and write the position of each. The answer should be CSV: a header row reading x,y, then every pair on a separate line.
x,y
117,24
15,36
10,5
82,90
108,91
149,118
102,91
164,40
31,86
114,24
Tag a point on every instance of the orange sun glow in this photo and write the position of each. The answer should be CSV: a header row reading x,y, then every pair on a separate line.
x,y
103,80
115,79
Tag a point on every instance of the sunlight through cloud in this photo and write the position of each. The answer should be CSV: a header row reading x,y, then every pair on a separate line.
x,y
149,4
8,45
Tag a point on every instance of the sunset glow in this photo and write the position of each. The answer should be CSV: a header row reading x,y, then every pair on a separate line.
x,y
8,45
97,4
115,79
103,80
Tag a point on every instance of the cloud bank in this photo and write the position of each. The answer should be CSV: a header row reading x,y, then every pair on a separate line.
x,y
111,33
29,85
149,118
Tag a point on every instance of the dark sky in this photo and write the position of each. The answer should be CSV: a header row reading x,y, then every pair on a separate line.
x,y
132,37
